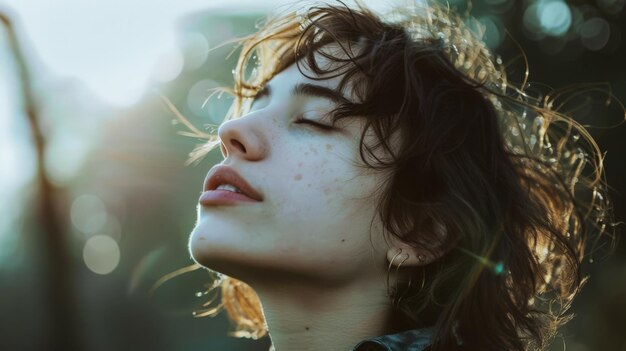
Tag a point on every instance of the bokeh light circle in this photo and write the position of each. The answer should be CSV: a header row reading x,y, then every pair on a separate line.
x,y
88,214
198,95
555,17
595,33
101,254
169,66
196,50
532,27
493,31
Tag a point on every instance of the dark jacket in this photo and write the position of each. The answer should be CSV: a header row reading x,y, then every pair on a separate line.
x,y
409,340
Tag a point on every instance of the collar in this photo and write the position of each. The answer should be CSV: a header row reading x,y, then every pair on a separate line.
x,y
409,340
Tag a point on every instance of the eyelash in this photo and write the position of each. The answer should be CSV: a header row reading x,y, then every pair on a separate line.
x,y
313,123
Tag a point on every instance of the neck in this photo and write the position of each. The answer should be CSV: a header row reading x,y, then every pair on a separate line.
x,y
308,317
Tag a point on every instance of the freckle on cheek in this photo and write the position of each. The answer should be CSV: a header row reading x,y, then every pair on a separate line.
x,y
297,177
329,147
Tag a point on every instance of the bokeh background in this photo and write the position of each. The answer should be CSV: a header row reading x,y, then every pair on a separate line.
x,y
96,201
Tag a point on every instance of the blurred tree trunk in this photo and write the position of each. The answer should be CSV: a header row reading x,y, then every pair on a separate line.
x,y
59,293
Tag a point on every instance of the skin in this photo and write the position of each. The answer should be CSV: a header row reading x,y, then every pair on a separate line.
x,y
308,249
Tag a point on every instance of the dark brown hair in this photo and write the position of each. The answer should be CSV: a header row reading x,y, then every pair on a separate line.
x,y
517,184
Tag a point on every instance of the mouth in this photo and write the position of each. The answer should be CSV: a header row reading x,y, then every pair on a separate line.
x,y
224,186
223,197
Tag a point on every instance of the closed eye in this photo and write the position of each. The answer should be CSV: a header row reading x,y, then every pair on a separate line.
x,y
313,123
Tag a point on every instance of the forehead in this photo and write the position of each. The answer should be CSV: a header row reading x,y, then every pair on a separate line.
x,y
301,72
297,73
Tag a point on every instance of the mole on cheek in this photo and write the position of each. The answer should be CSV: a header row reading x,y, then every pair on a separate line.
x,y
297,177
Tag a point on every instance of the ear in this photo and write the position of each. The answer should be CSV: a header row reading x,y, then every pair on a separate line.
x,y
417,256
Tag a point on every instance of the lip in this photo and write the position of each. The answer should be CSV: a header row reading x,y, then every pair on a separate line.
x,y
222,174
222,197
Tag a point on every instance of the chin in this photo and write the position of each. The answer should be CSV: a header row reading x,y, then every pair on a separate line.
x,y
215,255
202,249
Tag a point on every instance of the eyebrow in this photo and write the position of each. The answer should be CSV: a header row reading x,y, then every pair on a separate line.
x,y
308,89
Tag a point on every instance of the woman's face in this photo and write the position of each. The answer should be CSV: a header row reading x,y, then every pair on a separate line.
x,y
314,220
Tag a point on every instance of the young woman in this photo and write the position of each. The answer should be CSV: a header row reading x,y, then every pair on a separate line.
x,y
384,187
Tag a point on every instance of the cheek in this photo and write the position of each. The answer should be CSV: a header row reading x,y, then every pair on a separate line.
x,y
319,180
319,184
325,187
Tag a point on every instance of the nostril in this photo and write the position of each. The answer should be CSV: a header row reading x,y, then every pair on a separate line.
x,y
238,145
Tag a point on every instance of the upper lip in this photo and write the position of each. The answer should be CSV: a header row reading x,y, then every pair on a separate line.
x,y
226,175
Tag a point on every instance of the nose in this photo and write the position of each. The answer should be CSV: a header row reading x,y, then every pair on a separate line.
x,y
242,138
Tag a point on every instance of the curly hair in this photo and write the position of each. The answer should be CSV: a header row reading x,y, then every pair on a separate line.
x,y
518,184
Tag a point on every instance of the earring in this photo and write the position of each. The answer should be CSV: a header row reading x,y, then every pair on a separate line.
x,y
421,259
397,297
389,293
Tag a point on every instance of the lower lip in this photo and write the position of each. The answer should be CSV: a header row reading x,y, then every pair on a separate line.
x,y
223,197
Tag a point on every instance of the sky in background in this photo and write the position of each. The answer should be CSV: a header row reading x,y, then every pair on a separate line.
x,y
114,46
